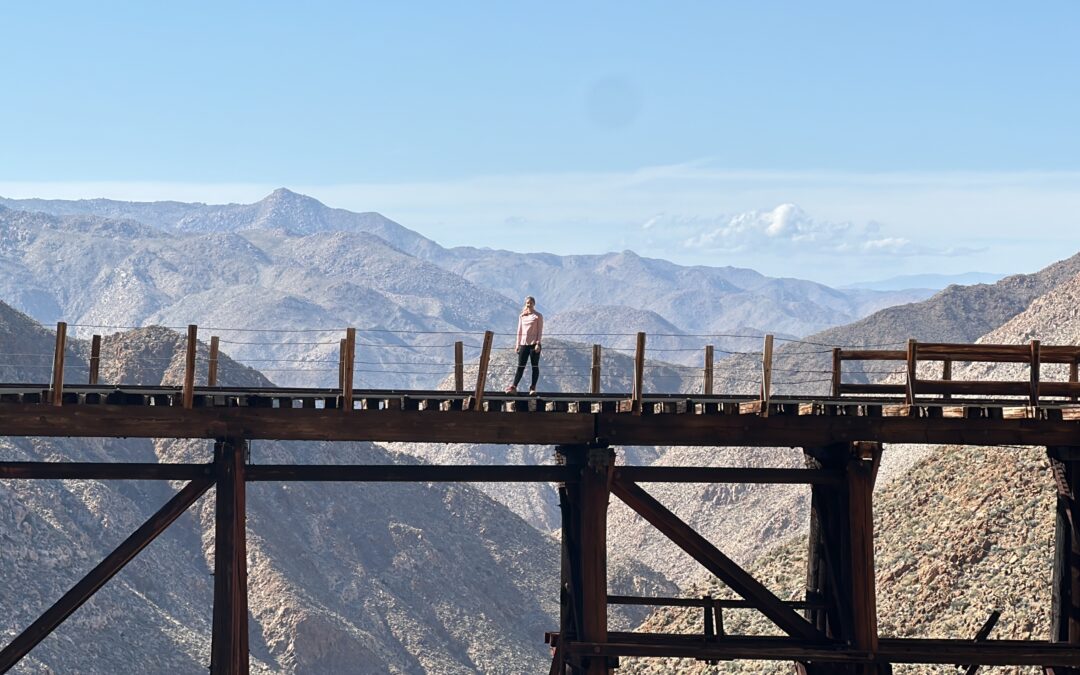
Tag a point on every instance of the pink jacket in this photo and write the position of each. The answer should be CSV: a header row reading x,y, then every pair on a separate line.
x,y
530,329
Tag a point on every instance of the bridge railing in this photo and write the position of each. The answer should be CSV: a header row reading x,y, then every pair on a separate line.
x,y
1034,354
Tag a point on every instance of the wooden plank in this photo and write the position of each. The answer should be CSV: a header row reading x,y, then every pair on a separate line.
x,y
705,474
482,370
459,366
95,359
639,374
57,389
852,388
873,355
102,471
102,573
594,373
837,372
188,395
212,363
715,561
348,368
766,374
707,386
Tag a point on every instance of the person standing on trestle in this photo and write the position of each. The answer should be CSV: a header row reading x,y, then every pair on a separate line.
x,y
530,330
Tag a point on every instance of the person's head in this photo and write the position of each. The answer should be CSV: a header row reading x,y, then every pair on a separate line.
x,y
530,304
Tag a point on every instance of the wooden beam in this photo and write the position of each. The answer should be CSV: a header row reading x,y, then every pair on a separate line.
x,y
861,520
95,359
189,366
708,474
102,471
716,562
58,364
837,372
482,371
348,368
946,376
639,374
594,373
707,385
212,364
1033,396
426,473
459,366
100,575
341,365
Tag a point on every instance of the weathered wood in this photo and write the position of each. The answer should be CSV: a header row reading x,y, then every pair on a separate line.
x,y
912,371
837,372
873,355
594,372
706,474
861,538
707,385
341,364
1074,376
1033,395
639,374
102,573
459,366
482,371
57,389
212,362
188,394
229,648
946,375
715,561
348,368
766,374
426,473
102,470
95,359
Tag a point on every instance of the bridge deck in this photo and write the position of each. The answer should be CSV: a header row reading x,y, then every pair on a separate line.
x,y
570,418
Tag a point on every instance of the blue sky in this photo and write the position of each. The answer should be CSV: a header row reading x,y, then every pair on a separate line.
x,y
908,136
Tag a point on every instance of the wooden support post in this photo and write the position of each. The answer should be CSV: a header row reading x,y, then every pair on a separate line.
x,y
459,366
1074,375
229,644
585,567
766,374
912,370
212,366
348,362
707,385
482,370
946,375
594,377
100,575
861,475
95,359
837,372
189,366
1035,361
58,364
1065,609
639,374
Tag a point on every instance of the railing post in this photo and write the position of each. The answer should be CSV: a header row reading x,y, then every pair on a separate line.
x,y
459,366
946,376
707,386
1035,359
211,369
594,377
1074,375
348,362
189,366
912,370
766,374
482,370
636,395
341,365
837,372
95,359
58,364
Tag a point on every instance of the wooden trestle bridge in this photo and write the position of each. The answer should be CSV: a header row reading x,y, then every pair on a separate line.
x,y
833,630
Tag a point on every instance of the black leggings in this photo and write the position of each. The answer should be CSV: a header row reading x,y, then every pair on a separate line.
x,y
525,353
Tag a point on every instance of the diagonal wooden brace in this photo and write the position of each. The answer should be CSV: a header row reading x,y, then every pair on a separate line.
x,y
716,562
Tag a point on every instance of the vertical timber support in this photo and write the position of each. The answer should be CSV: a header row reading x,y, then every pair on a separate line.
x,y
594,373
840,586
188,393
459,366
1065,609
58,364
348,368
707,375
212,363
584,568
229,646
638,392
95,359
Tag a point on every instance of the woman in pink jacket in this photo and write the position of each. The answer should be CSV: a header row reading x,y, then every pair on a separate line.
x,y
529,332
